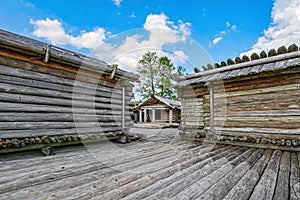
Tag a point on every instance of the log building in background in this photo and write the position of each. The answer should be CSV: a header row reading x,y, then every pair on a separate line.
x,y
157,109
252,101
52,96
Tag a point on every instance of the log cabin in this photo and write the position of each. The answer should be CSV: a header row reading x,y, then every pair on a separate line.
x,y
249,102
157,109
164,167
52,96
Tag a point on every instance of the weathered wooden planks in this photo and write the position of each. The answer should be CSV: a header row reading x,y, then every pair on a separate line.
x,y
162,169
266,186
63,94
294,178
282,185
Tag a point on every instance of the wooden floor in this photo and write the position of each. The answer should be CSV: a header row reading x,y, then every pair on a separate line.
x,y
161,167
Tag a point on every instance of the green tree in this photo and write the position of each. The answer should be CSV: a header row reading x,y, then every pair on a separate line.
x,y
148,69
155,75
165,70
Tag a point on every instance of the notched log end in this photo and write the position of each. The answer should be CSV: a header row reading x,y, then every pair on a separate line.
x,y
47,151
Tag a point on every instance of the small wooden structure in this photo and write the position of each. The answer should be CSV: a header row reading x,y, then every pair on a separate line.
x,y
52,96
157,109
247,103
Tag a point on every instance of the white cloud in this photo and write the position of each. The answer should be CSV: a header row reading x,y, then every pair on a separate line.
x,y
53,31
234,27
133,15
227,24
284,30
217,40
219,37
161,31
181,54
27,4
117,2
179,57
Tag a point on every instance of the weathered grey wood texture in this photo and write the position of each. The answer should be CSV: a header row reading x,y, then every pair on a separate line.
x,y
69,94
257,104
161,168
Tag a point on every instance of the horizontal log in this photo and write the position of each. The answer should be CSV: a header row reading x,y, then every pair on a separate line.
x,y
17,107
196,123
59,117
284,105
248,99
287,122
260,130
31,99
52,125
195,114
194,100
53,132
193,107
258,83
263,140
17,73
110,98
194,119
263,113
72,89
189,91
276,89
60,55
249,84
258,124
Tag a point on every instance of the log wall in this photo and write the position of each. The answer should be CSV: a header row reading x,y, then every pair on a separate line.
x,y
261,110
58,101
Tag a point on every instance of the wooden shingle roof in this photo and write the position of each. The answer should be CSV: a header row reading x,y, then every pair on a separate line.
x,y
169,102
47,52
234,70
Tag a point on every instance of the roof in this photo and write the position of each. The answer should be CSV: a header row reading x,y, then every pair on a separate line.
x,y
48,52
240,69
160,168
169,102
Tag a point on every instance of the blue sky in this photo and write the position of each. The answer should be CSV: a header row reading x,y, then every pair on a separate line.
x,y
191,32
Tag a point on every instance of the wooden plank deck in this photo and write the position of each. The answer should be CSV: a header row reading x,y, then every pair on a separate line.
x,y
161,167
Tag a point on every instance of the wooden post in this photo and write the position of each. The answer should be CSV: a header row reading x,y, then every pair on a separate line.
x,y
184,111
170,116
153,115
145,115
211,103
123,107
140,116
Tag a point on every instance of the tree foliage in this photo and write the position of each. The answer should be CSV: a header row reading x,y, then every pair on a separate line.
x,y
155,75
